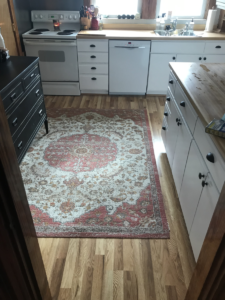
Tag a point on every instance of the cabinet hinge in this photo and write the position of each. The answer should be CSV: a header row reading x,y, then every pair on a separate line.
x,y
13,26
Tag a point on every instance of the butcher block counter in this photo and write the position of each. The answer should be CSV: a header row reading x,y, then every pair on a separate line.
x,y
144,35
204,85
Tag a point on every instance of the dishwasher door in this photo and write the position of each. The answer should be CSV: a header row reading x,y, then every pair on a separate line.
x,y
128,67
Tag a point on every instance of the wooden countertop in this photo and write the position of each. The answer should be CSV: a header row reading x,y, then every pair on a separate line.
x,y
204,85
144,35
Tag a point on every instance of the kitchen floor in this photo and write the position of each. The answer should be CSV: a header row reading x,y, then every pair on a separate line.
x,y
131,269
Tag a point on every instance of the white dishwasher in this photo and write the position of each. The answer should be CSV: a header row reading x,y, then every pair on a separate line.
x,y
128,67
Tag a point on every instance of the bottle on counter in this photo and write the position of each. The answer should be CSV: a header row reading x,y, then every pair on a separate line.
x,y
162,22
100,24
157,25
2,42
191,25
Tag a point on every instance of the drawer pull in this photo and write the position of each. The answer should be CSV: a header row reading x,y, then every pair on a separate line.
x,y
182,104
163,128
218,47
93,68
177,120
13,97
166,114
171,81
14,122
92,46
37,93
200,58
32,75
93,78
20,145
41,112
178,123
204,183
200,176
168,99
210,157
174,58
93,56
204,58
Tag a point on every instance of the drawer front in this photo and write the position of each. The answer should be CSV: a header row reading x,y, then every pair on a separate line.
x,y
19,114
92,45
25,135
185,107
93,57
206,146
175,47
172,83
31,76
215,47
94,82
14,95
93,69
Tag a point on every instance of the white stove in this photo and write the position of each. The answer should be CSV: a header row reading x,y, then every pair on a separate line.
x,y
53,40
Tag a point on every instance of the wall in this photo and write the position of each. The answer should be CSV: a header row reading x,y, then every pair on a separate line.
x,y
55,4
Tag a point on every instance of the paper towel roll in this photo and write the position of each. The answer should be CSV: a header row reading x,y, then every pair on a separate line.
x,y
210,20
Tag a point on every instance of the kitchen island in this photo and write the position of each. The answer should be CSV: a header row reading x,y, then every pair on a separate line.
x,y
195,97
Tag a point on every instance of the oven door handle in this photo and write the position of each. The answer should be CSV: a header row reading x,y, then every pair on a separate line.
x,y
66,43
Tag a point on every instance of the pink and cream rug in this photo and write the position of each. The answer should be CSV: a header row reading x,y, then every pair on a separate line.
x,y
95,175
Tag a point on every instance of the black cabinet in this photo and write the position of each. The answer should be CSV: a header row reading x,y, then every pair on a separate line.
x,y
23,100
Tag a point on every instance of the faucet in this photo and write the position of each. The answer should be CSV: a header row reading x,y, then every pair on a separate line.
x,y
174,24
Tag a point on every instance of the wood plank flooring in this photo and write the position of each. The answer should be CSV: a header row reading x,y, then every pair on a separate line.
x,y
123,269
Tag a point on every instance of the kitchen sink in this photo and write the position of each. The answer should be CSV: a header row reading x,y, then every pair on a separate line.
x,y
174,33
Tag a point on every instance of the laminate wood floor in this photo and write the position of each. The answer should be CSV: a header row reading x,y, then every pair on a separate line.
x,y
117,269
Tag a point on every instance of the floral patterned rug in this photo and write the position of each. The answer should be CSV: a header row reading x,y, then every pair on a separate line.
x,y
95,175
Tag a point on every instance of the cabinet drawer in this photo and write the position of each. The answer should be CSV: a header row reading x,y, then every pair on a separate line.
x,y
206,146
22,140
12,96
93,69
30,77
94,82
18,115
92,45
93,57
172,83
185,107
175,47
215,47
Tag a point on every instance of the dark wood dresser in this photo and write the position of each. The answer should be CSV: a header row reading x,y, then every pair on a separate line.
x,y
23,100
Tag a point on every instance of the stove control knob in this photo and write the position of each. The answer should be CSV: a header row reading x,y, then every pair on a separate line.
x,y
70,17
40,16
74,17
61,16
35,16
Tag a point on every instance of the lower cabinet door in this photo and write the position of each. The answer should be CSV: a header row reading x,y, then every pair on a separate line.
x,y
183,144
203,216
191,188
189,58
214,58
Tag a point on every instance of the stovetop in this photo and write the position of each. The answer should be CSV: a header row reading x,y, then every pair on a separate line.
x,y
48,34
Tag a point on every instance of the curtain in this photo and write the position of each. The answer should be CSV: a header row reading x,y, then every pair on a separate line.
x,y
148,10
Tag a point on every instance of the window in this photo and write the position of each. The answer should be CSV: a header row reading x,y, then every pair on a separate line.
x,y
183,8
117,7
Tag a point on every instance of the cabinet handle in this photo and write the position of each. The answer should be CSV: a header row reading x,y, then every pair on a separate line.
x,y
200,58
177,120
14,122
166,114
93,78
13,97
210,157
182,104
200,176
93,56
20,145
218,47
163,128
41,112
171,81
178,123
168,99
204,58
37,93
32,75
204,183
174,58
92,46
93,68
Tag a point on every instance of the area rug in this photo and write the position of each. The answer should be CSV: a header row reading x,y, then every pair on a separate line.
x,y
95,175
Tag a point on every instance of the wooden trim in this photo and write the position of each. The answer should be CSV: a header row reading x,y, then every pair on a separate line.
x,y
209,5
15,27
148,10
208,276
20,232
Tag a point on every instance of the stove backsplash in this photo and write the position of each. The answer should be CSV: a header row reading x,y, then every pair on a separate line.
x,y
56,4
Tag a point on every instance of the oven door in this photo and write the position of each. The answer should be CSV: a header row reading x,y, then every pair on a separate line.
x,y
57,58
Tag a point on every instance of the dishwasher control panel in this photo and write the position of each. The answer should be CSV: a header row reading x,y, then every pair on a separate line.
x,y
129,44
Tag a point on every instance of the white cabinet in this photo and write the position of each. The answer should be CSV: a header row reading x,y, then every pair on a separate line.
x,y
181,152
213,58
189,58
191,189
204,213
159,73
